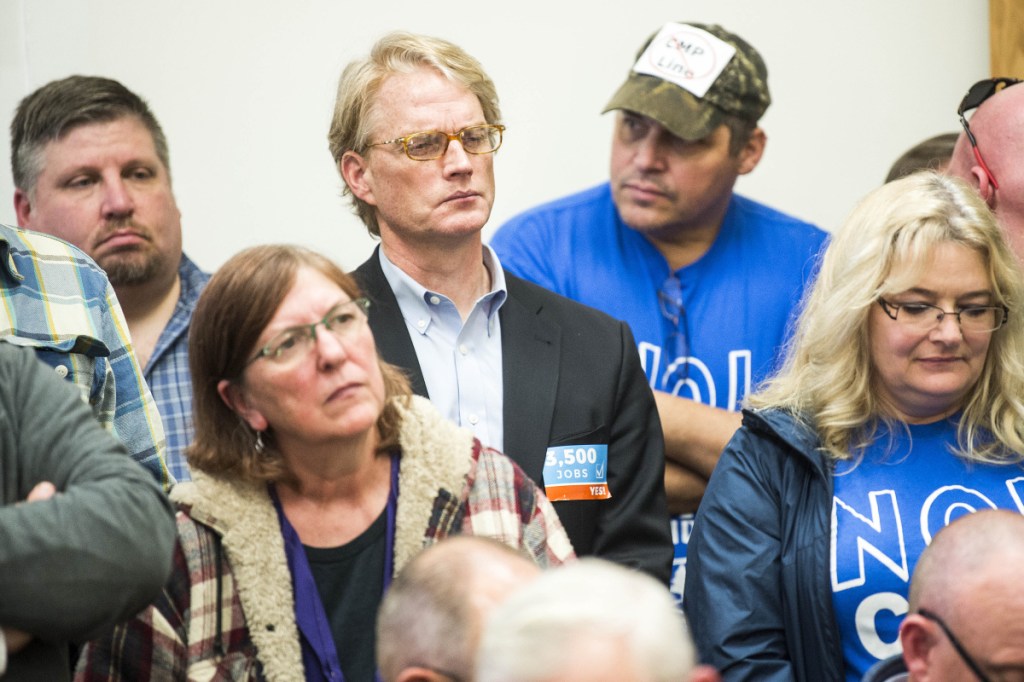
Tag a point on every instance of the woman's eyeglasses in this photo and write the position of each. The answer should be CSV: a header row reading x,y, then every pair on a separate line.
x,y
343,321
924,317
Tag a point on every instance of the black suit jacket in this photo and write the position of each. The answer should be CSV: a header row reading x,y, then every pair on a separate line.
x,y
571,375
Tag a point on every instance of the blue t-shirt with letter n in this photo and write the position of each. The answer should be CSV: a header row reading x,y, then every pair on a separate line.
x,y
885,510
710,331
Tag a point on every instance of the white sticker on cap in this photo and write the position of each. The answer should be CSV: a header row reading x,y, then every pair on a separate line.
x,y
687,56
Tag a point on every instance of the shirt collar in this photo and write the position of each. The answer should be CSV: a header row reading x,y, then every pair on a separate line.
x,y
7,260
412,296
498,291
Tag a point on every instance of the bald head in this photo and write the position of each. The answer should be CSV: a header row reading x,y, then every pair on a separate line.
x,y
969,577
971,550
998,126
431,617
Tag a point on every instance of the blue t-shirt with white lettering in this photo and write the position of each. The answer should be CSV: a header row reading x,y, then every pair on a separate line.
x,y
885,511
713,332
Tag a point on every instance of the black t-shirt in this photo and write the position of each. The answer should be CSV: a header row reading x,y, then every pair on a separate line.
x,y
350,580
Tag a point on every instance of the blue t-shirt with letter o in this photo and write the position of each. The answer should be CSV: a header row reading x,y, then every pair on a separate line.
x,y
886,509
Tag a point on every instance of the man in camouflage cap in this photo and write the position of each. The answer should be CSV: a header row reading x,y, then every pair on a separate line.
x,y
707,279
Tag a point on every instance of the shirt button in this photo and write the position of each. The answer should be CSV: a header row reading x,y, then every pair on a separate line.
x,y
61,370
435,299
463,349
473,419
421,323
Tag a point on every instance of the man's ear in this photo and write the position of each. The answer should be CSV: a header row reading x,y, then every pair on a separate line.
x,y
918,638
752,151
22,207
356,173
235,398
704,673
979,178
418,674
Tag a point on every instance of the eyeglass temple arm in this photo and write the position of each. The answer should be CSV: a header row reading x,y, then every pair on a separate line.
x,y
964,656
984,166
974,147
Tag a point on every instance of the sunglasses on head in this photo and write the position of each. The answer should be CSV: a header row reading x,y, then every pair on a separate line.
x,y
978,93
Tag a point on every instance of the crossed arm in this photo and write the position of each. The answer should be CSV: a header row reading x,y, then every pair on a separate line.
x,y
87,505
695,435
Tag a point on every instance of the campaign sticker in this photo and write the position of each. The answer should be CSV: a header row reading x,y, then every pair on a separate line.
x,y
576,472
685,55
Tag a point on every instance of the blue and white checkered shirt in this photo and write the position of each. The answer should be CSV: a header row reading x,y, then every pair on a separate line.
x,y
56,300
168,375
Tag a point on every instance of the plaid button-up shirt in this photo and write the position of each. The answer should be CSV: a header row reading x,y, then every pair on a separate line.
x,y
168,375
56,300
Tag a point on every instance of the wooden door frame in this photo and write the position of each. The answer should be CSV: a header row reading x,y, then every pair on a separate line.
x,y
1006,37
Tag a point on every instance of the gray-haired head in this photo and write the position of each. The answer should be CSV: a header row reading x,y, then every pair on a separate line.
x,y
549,628
432,615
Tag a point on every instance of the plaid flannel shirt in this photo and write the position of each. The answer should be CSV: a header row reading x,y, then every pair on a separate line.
x,y
56,300
168,375
230,546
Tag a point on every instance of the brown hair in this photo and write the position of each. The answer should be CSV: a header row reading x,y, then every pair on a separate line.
x,y
740,131
234,309
55,109
934,153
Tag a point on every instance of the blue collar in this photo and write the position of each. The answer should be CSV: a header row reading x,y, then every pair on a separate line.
x,y
319,655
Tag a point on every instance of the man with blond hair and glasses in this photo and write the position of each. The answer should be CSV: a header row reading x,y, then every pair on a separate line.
x,y
554,384
989,151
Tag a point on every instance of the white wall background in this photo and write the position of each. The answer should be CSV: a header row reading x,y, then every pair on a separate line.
x,y
244,91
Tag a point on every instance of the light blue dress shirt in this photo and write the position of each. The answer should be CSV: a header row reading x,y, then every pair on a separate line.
x,y
460,359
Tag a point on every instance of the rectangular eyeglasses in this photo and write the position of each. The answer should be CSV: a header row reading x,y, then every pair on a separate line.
x,y
432,144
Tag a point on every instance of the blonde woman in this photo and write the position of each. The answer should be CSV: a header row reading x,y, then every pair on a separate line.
x,y
898,410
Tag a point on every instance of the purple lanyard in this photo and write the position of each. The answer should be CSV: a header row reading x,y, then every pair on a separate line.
x,y
319,655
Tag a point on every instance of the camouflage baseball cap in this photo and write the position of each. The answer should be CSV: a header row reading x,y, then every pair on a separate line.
x,y
688,76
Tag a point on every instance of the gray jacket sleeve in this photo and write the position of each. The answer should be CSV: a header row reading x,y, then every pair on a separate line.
x,y
98,551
